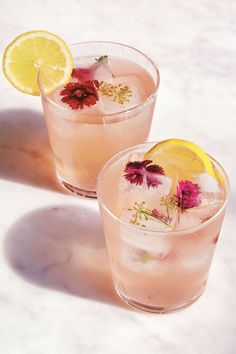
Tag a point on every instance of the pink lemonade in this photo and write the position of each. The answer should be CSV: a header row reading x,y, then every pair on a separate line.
x,y
160,246
107,106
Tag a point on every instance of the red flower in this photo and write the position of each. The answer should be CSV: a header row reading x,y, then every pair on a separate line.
x,y
188,194
156,214
83,74
137,171
78,95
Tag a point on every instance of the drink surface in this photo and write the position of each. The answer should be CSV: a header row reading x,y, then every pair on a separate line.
x,y
159,240
151,201
121,85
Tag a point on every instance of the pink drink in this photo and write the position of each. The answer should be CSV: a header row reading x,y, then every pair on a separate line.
x,y
83,139
158,267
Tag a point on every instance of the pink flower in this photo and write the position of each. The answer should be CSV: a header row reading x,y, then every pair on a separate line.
x,y
88,74
83,74
188,194
137,171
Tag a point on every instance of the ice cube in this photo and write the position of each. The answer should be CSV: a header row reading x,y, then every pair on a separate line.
x,y
92,69
139,259
145,241
124,185
144,209
208,184
165,183
211,192
196,216
140,243
205,212
102,70
194,252
144,212
121,93
187,220
198,261
142,250
211,199
145,206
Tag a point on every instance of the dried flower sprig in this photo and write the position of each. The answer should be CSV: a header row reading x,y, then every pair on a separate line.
x,y
170,202
116,93
142,213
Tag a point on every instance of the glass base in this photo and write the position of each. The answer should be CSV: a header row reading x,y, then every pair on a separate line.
x,y
75,190
157,309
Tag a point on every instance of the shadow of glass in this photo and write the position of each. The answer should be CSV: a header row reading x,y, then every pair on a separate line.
x,y
62,248
25,153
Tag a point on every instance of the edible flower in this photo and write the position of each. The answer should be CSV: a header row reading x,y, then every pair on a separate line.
x,y
188,195
82,74
78,95
136,172
158,215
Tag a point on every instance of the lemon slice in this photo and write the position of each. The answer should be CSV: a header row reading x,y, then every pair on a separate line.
x,y
34,52
181,159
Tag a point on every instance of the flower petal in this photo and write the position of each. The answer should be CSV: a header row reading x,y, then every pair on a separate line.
x,y
136,170
133,166
135,178
152,180
77,95
188,194
72,102
155,169
82,74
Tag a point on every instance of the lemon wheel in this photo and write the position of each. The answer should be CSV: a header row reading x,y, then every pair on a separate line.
x,y
34,52
181,159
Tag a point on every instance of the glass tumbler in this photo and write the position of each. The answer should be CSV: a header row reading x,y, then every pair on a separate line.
x,y
155,271
83,140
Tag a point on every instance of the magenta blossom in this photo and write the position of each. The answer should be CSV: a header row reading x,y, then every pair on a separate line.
x,y
137,171
188,194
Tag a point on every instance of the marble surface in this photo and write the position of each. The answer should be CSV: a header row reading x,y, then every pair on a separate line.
x,y
56,294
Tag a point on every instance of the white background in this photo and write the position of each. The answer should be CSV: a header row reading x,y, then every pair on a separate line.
x,y
56,293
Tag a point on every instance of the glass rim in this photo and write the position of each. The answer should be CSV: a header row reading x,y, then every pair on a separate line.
x,y
166,232
152,95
